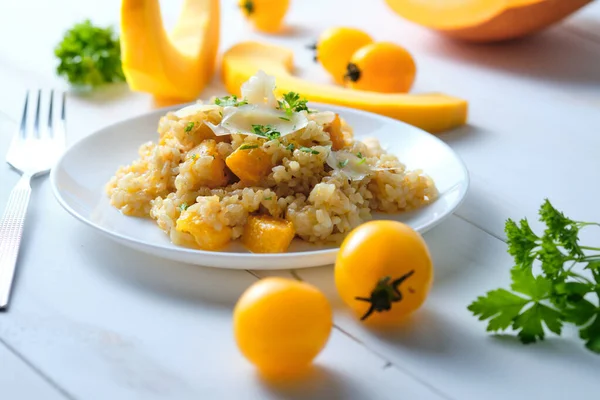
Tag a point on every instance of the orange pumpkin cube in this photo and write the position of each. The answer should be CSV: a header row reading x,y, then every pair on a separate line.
x,y
266,234
206,236
251,165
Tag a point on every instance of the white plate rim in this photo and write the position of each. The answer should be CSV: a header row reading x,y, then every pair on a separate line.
x,y
329,252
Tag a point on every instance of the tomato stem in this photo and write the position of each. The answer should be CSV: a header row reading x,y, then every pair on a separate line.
x,y
352,72
248,6
313,47
384,294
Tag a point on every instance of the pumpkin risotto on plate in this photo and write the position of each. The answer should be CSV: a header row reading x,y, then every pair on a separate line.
x,y
263,170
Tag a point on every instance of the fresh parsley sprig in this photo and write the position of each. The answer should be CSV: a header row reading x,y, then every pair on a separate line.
x,y
560,294
89,55
292,103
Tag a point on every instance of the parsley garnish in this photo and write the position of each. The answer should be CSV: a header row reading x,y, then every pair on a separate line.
x,y
231,101
189,126
342,164
284,118
308,150
194,156
266,131
268,198
248,146
89,55
557,295
183,206
292,103
290,147
359,155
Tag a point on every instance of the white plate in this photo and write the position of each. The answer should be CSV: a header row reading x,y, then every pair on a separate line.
x,y
80,175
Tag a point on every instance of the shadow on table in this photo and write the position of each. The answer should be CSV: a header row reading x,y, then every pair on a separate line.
x,y
549,56
160,277
318,382
103,94
466,132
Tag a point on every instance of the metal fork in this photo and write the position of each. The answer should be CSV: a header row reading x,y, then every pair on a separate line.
x,y
32,152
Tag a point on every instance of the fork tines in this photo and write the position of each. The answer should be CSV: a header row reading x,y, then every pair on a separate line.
x,y
52,130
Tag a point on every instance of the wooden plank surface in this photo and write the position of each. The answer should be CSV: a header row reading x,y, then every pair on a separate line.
x,y
91,314
18,380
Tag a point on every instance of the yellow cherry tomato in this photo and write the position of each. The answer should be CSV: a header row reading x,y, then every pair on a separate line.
x,y
383,272
336,46
281,325
265,15
381,67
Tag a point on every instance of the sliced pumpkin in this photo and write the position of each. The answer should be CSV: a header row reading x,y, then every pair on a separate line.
x,y
432,112
334,128
170,66
486,20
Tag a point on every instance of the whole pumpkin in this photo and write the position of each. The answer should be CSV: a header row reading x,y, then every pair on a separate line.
x,y
486,21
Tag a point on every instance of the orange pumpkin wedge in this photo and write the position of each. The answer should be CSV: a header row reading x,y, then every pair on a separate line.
x,y
170,66
431,112
486,20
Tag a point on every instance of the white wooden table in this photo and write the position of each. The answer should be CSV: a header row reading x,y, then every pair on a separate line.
x,y
91,319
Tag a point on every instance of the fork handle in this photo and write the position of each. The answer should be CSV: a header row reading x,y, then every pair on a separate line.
x,y
11,230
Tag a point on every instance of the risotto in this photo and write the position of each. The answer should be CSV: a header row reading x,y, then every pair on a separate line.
x,y
262,170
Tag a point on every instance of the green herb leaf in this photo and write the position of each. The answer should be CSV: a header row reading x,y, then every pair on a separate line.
x,y
183,206
591,334
524,282
501,306
248,146
561,228
290,147
268,198
362,161
521,240
189,126
308,150
284,118
266,131
230,101
342,164
529,324
292,103
359,155
89,55
557,295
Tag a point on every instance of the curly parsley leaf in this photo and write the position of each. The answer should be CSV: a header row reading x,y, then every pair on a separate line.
x,y
529,323
89,55
521,241
591,334
523,281
292,103
500,306
561,228
558,294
